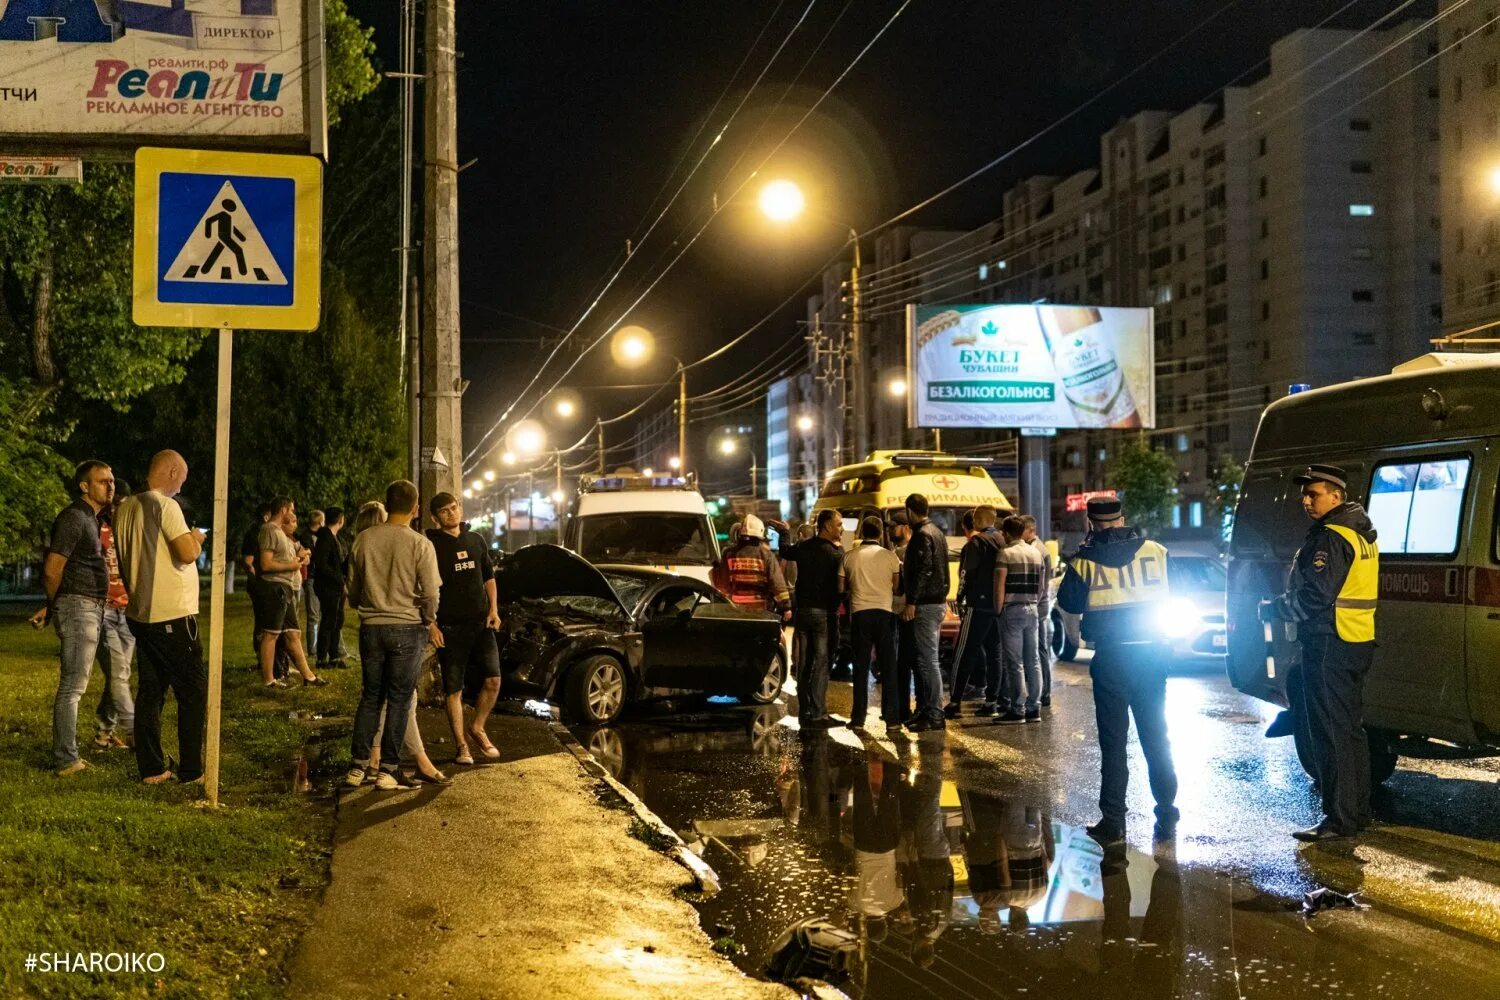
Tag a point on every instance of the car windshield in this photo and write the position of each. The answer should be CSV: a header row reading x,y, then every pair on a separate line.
x,y
1196,576
630,588
645,537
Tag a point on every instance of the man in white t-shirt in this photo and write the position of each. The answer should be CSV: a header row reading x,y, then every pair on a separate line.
x,y
871,573
158,557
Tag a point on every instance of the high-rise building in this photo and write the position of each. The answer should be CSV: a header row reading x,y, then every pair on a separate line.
x,y
1284,232
1469,75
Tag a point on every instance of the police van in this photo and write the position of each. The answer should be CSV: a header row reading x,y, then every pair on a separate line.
x,y
1421,447
627,517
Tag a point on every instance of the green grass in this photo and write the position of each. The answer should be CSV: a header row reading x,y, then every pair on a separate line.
x,y
101,863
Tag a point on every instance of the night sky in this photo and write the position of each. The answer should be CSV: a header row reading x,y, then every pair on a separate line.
x,y
578,113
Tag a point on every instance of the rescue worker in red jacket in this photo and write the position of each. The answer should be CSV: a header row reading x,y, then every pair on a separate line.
x,y
748,572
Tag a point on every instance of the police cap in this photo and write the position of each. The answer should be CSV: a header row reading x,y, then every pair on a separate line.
x,y
1322,474
1104,508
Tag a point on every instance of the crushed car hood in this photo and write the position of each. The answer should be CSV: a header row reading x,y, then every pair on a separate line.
x,y
543,572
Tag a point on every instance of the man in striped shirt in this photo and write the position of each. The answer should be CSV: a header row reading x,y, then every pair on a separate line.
x,y
1018,577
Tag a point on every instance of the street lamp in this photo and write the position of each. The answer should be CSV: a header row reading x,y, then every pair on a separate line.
x,y
804,423
783,201
526,439
489,475
896,386
477,485
1495,180
509,458
468,494
674,463
729,446
633,346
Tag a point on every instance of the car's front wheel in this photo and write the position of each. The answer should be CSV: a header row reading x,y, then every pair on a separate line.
x,y
771,683
596,690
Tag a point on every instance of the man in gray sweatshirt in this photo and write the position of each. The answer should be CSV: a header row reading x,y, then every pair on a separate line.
x,y
394,583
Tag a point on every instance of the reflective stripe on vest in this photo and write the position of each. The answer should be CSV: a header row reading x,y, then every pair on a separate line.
x,y
1143,580
1354,608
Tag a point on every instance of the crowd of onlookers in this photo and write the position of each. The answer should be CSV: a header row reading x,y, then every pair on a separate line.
x,y
889,595
121,581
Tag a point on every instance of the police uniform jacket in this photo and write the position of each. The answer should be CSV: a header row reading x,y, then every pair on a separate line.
x,y
1335,578
1118,582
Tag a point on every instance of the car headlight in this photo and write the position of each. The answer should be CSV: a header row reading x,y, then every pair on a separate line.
x,y
1177,617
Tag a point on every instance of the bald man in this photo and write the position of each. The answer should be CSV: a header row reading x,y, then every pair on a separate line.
x,y
158,557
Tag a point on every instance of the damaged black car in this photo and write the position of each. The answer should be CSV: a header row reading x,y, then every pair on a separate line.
x,y
596,638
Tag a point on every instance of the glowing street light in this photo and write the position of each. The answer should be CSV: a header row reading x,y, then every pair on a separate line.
x,y
674,463
728,446
782,201
509,458
804,423
526,439
632,346
558,496
1495,180
896,386
647,471
477,485
468,494
489,475
565,408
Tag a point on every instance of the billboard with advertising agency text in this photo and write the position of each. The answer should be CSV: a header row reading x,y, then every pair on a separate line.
x,y
101,77
1002,366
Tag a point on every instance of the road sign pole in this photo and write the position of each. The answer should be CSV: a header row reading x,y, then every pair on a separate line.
x,y
220,567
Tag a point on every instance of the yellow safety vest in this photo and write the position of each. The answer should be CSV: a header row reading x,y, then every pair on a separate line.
x,y
1143,580
1354,608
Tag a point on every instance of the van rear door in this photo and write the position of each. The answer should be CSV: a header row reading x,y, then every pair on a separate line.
x,y
1268,528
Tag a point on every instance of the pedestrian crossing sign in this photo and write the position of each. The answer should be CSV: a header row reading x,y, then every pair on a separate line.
x,y
227,239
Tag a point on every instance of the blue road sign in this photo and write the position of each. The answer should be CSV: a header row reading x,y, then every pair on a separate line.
x,y
227,240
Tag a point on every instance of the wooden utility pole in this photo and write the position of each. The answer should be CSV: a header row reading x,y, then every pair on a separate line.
x,y
442,385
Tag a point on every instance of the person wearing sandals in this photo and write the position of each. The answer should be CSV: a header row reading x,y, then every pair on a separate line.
x,y
279,567
469,617
394,582
158,557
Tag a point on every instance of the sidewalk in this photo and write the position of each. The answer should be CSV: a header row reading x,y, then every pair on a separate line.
x,y
512,882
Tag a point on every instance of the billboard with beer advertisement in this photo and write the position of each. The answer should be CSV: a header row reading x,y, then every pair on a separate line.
x,y
1030,366
85,75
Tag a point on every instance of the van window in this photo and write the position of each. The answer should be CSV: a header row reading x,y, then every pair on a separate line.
x,y
1417,506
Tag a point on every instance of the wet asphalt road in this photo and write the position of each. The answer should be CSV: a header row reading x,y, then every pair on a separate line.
x,y
955,864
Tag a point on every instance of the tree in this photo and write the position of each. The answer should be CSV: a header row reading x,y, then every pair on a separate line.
x,y
72,363
1146,479
1224,482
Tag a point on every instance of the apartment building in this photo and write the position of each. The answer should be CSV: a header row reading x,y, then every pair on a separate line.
x,y
1469,81
1284,232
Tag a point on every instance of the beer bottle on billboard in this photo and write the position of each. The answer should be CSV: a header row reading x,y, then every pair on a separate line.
x,y
1090,375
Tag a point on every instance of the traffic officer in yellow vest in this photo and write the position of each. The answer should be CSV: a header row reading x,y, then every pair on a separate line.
x,y
1118,582
1330,597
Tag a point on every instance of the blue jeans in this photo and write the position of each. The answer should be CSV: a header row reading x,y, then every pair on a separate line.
x,y
1022,691
116,647
391,658
79,621
925,629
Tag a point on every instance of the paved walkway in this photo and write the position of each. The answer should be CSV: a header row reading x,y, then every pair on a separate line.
x,y
513,882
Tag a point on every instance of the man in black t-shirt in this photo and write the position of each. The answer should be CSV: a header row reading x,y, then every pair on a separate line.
x,y
469,618
820,589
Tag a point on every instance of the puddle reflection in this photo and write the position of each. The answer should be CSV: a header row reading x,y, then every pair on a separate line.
x,y
885,877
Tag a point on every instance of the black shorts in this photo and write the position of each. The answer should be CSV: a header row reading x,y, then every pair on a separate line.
x,y
467,649
275,608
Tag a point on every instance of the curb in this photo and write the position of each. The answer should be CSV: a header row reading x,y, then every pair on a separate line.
x,y
705,876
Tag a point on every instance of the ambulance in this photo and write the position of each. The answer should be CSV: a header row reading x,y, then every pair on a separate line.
x,y
881,483
1421,447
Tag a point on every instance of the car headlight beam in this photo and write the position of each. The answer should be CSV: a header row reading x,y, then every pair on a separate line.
x,y
1177,618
